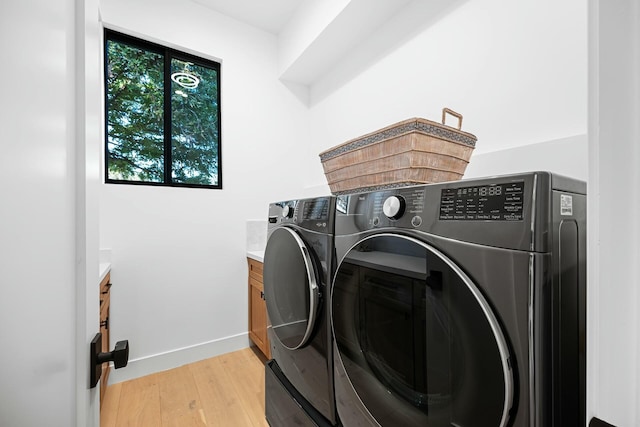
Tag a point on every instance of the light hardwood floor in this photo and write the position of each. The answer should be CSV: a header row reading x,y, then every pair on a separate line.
x,y
226,390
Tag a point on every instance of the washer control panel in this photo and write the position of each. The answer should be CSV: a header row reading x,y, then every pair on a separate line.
x,y
495,202
431,207
398,204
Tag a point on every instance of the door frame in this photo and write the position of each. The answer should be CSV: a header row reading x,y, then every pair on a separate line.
x,y
88,130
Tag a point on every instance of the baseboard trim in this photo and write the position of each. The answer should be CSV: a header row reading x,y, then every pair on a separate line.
x,y
147,365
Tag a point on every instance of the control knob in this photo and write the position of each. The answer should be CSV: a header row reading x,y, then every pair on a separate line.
x,y
287,211
393,207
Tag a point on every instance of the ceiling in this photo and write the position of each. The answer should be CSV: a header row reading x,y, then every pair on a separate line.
x,y
331,40
270,15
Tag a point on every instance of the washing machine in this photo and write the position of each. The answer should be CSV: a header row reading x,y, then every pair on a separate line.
x,y
299,261
462,304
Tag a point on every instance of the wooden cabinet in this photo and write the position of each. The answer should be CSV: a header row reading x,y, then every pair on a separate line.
x,y
105,297
257,308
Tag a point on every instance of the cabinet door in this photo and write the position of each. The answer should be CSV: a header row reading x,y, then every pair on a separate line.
x,y
105,302
258,316
257,308
255,269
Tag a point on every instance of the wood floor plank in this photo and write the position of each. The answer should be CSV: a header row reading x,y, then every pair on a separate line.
x,y
226,390
139,403
221,402
247,373
180,402
109,407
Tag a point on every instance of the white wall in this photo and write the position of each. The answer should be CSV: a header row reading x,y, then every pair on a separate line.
x,y
178,255
515,70
565,156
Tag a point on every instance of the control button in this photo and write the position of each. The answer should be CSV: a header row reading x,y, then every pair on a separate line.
x,y
416,221
393,207
376,221
287,211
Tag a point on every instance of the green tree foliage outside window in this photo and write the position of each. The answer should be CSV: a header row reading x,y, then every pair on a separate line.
x,y
162,115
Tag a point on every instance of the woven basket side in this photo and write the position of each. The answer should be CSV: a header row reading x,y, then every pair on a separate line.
x,y
383,148
394,178
406,160
396,145
414,151
415,125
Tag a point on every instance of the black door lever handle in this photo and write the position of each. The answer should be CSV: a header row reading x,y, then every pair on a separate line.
x,y
119,356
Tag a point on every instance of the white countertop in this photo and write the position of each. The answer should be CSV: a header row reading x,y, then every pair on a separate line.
x,y
257,255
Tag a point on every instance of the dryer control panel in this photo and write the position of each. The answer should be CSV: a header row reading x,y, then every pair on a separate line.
x,y
312,214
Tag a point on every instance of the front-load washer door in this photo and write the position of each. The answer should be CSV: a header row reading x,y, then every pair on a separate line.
x,y
291,288
417,342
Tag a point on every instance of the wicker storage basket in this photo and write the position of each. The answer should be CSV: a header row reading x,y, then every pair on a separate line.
x,y
414,151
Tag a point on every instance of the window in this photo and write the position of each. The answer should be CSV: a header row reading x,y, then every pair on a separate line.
x,y
162,115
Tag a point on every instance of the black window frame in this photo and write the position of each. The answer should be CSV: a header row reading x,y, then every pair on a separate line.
x,y
169,54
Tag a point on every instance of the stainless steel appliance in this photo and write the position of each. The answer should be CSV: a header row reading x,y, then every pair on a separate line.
x,y
462,304
298,266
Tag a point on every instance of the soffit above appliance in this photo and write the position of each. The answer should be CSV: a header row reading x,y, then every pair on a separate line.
x,y
321,41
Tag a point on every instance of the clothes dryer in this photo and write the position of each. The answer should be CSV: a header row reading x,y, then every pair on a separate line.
x,y
462,304
298,266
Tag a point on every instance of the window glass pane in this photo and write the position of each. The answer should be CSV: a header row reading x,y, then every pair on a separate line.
x,y
194,132
135,113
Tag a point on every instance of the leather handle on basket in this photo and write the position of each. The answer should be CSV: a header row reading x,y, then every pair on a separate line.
x,y
454,114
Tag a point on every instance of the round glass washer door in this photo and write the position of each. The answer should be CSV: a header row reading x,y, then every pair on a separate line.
x,y
290,287
417,339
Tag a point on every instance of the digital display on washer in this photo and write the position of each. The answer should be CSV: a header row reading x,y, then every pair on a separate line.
x,y
316,210
495,202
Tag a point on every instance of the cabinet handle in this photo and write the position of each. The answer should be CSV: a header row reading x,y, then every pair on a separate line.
x,y
105,323
262,295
